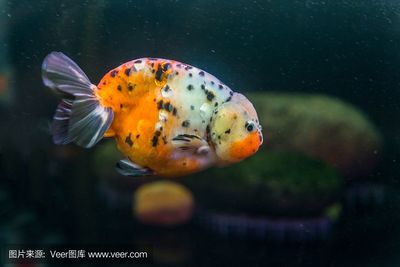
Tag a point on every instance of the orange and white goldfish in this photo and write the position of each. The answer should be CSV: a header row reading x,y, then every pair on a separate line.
x,y
168,118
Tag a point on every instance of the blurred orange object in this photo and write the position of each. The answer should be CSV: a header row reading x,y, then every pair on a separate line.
x,y
163,203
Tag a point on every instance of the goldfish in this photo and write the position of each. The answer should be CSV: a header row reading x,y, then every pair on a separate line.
x,y
168,118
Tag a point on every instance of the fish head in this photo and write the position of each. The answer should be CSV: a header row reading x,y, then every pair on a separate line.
x,y
235,130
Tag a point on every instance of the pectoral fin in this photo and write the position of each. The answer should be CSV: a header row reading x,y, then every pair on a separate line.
x,y
128,168
190,142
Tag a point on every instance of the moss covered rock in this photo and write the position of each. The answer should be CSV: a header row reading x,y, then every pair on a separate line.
x,y
322,127
269,183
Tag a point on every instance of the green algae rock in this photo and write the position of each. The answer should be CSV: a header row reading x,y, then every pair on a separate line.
x,y
322,127
269,183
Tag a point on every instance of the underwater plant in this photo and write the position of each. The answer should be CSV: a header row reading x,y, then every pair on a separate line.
x,y
322,127
273,193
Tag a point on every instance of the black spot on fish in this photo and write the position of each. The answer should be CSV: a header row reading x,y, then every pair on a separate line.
x,y
164,138
127,72
190,87
120,106
220,86
152,64
160,104
216,104
210,95
178,65
137,136
203,87
176,73
168,107
159,73
192,107
113,73
231,93
212,82
186,123
166,88
208,129
154,141
166,67
174,111
190,75
188,67
138,61
228,99
119,87
128,140
203,121
131,87
228,131
201,73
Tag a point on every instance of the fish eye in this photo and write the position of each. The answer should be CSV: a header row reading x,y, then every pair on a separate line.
x,y
250,126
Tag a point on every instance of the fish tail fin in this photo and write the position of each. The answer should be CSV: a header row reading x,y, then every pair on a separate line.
x,y
79,118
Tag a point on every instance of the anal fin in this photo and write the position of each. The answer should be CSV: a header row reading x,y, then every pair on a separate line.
x,y
128,168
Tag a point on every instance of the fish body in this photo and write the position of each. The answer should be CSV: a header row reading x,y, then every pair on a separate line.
x,y
168,118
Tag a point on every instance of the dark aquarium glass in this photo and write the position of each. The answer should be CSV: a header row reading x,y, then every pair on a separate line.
x,y
323,189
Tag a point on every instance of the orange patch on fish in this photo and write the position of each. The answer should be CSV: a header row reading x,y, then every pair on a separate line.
x,y
241,149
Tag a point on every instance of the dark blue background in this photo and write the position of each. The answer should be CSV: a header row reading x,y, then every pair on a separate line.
x,y
347,49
